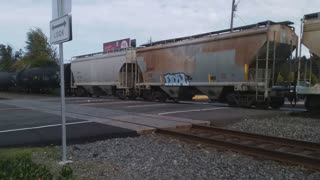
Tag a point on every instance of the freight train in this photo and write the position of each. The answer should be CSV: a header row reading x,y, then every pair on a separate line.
x,y
236,66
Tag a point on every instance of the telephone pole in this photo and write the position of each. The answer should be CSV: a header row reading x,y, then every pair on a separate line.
x,y
233,9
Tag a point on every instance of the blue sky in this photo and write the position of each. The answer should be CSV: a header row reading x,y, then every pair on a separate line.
x,y
99,21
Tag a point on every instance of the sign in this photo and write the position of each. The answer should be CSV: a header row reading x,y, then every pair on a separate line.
x,y
61,30
60,5
114,45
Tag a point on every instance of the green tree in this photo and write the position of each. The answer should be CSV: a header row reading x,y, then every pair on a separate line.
x,y
291,77
314,79
280,78
316,65
39,51
7,57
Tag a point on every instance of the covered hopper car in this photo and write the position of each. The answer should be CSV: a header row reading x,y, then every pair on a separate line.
x,y
237,66
111,73
310,37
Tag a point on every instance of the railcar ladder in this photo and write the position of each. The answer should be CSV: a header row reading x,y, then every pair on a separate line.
x,y
266,77
127,73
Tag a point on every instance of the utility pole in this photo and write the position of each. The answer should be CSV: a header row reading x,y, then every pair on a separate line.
x,y
233,9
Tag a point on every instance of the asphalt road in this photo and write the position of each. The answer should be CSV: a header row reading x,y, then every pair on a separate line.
x,y
218,114
26,127
20,126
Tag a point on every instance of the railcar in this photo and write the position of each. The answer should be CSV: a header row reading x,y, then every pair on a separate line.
x,y
40,79
106,73
235,66
6,80
310,37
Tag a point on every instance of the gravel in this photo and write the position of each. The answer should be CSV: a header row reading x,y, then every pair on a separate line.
x,y
159,157
305,129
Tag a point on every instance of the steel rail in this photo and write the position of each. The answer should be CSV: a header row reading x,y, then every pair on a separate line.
x,y
260,137
289,157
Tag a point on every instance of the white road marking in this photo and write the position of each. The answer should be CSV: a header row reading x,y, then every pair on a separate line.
x,y
194,102
293,109
49,99
90,100
72,98
41,127
192,110
114,102
145,105
7,109
298,103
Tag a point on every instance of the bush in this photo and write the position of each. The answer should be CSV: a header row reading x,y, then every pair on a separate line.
x,y
66,173
22,168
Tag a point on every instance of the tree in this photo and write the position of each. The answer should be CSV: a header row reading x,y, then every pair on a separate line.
x,y
280,78
39,52
316,64
7,57
291,77
314,79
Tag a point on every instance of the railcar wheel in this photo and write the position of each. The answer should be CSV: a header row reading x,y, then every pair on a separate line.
x,y
263,105
312,103
147,96
277,103
132,96
175,100
231,100
79,93
121,95
159,96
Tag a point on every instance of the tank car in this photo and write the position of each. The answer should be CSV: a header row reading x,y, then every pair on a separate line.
x,y
237,67
41,79
6,80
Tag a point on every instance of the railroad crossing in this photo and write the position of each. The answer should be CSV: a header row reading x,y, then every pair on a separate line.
x,y
102,118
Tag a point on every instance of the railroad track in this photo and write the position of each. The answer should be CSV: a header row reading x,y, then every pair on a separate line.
x,y
275,148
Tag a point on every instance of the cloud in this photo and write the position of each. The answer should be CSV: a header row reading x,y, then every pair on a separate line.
x,y
98,21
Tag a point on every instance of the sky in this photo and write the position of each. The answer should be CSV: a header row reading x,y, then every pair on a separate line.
x,y
99,21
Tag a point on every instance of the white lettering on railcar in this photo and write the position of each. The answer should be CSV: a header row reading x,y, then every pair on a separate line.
x,y
177,79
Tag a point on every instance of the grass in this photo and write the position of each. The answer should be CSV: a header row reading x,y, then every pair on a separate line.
x,y
18,163
9,153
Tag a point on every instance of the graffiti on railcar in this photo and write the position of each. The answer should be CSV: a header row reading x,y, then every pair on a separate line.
x,y
177,79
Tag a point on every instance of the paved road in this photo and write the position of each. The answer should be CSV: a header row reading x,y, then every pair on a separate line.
x,y
24,127
36,120
218,114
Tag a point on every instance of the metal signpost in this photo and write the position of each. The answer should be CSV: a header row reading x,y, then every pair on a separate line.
x,y
60,32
